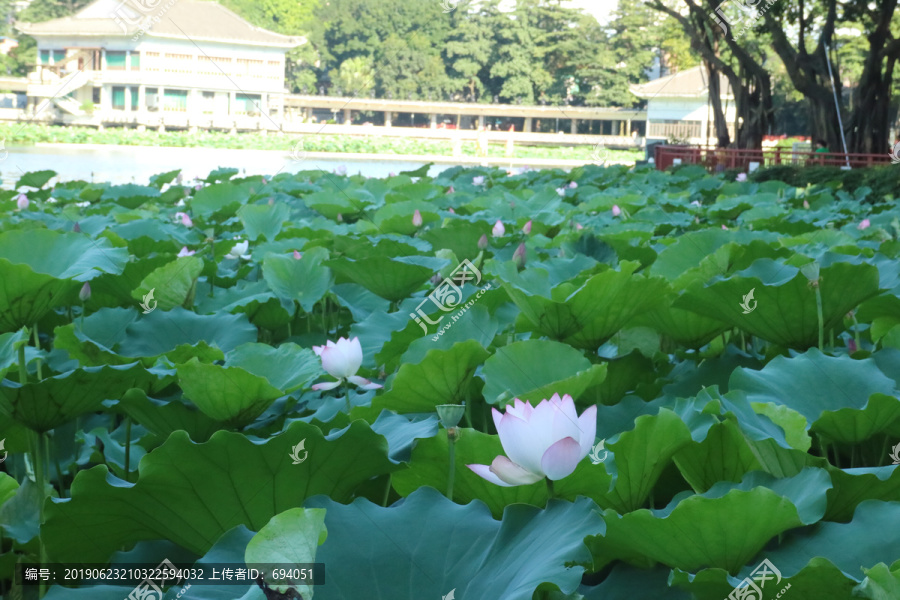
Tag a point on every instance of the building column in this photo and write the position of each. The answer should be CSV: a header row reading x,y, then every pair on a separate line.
x,y
232,103
127,98
387,118
480,121
433,119
527,124
628,127
348,117
104,98
574,127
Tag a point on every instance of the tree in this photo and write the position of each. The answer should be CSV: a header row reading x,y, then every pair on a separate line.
x,y
467,51
45,10
356,77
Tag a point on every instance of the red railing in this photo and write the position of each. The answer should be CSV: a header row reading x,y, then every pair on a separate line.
x,y
720,159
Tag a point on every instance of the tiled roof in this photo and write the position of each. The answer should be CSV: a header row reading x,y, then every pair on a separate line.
x,y
197,20
690,83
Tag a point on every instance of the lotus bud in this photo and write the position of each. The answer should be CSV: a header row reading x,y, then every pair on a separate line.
x,y
85,294
498,229
297,255
482,242
527,228
864,224
573,185
22,201
185,219
198,187
851,345
579,226
450,190
519,256
451,211
76,228
478,180
340,218
392,174
417,218
806,204
616,211
724,228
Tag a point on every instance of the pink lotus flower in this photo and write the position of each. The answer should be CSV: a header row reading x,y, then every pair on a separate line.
x,y
297,255
198,187
527,228
417,218
573,185
561,191
579,226
725,228
498,229
451,211
185,219
520,256
616,211
805,204
864,224
341,170
85,293
450,190
392,174
482,242
342,360
851,346
185,252
478,180
22,201
741,177
548,440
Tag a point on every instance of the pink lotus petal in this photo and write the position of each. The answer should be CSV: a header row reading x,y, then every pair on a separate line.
x,y
561,458
864,224
527,228
616,211
484,471
364,383
451,211
512,473
22,201
297,255
342,358
498,230
417,218
326,386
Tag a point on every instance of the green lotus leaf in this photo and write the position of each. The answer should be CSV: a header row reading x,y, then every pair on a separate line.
x,y
219,198
46,404
724,527
162,418
172,284
226,394
442,377
534,370
783,308
305,280
263,219
479,558
192,493
289,538
130,195
390,279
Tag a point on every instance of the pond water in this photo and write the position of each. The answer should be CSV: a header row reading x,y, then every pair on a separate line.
x,y
135,164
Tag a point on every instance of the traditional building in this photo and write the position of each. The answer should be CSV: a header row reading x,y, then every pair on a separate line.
x,y
190,63
678,107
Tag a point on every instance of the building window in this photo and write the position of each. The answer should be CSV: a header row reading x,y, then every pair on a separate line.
x,y
115,60
59,56
45,57
248,104
214,65
179,63
208,103
134,98
135,61
95,96
152,98
175,101
118,98
152,60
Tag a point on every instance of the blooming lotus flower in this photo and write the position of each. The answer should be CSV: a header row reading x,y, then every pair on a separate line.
x,y
52,200
417,218
561,191
85,293
519,256
548,440
863,224
341,170
482,242
239,250
297,255
527,228
696,203
741,177
616,211
498,229
573,185
185,219
478,180
22,201
392,174
342,360
185,252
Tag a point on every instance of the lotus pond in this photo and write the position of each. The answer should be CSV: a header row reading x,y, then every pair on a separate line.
x,y
606,384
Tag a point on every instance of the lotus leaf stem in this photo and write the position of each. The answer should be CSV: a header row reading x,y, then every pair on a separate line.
x,y
821,320
23,371
37,344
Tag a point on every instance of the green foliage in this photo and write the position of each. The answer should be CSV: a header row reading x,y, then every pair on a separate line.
x,y
882,183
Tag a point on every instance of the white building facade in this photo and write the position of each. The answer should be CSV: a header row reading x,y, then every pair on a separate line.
x,y
189,63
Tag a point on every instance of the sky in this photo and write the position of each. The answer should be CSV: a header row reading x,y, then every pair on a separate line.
x,y
601,9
